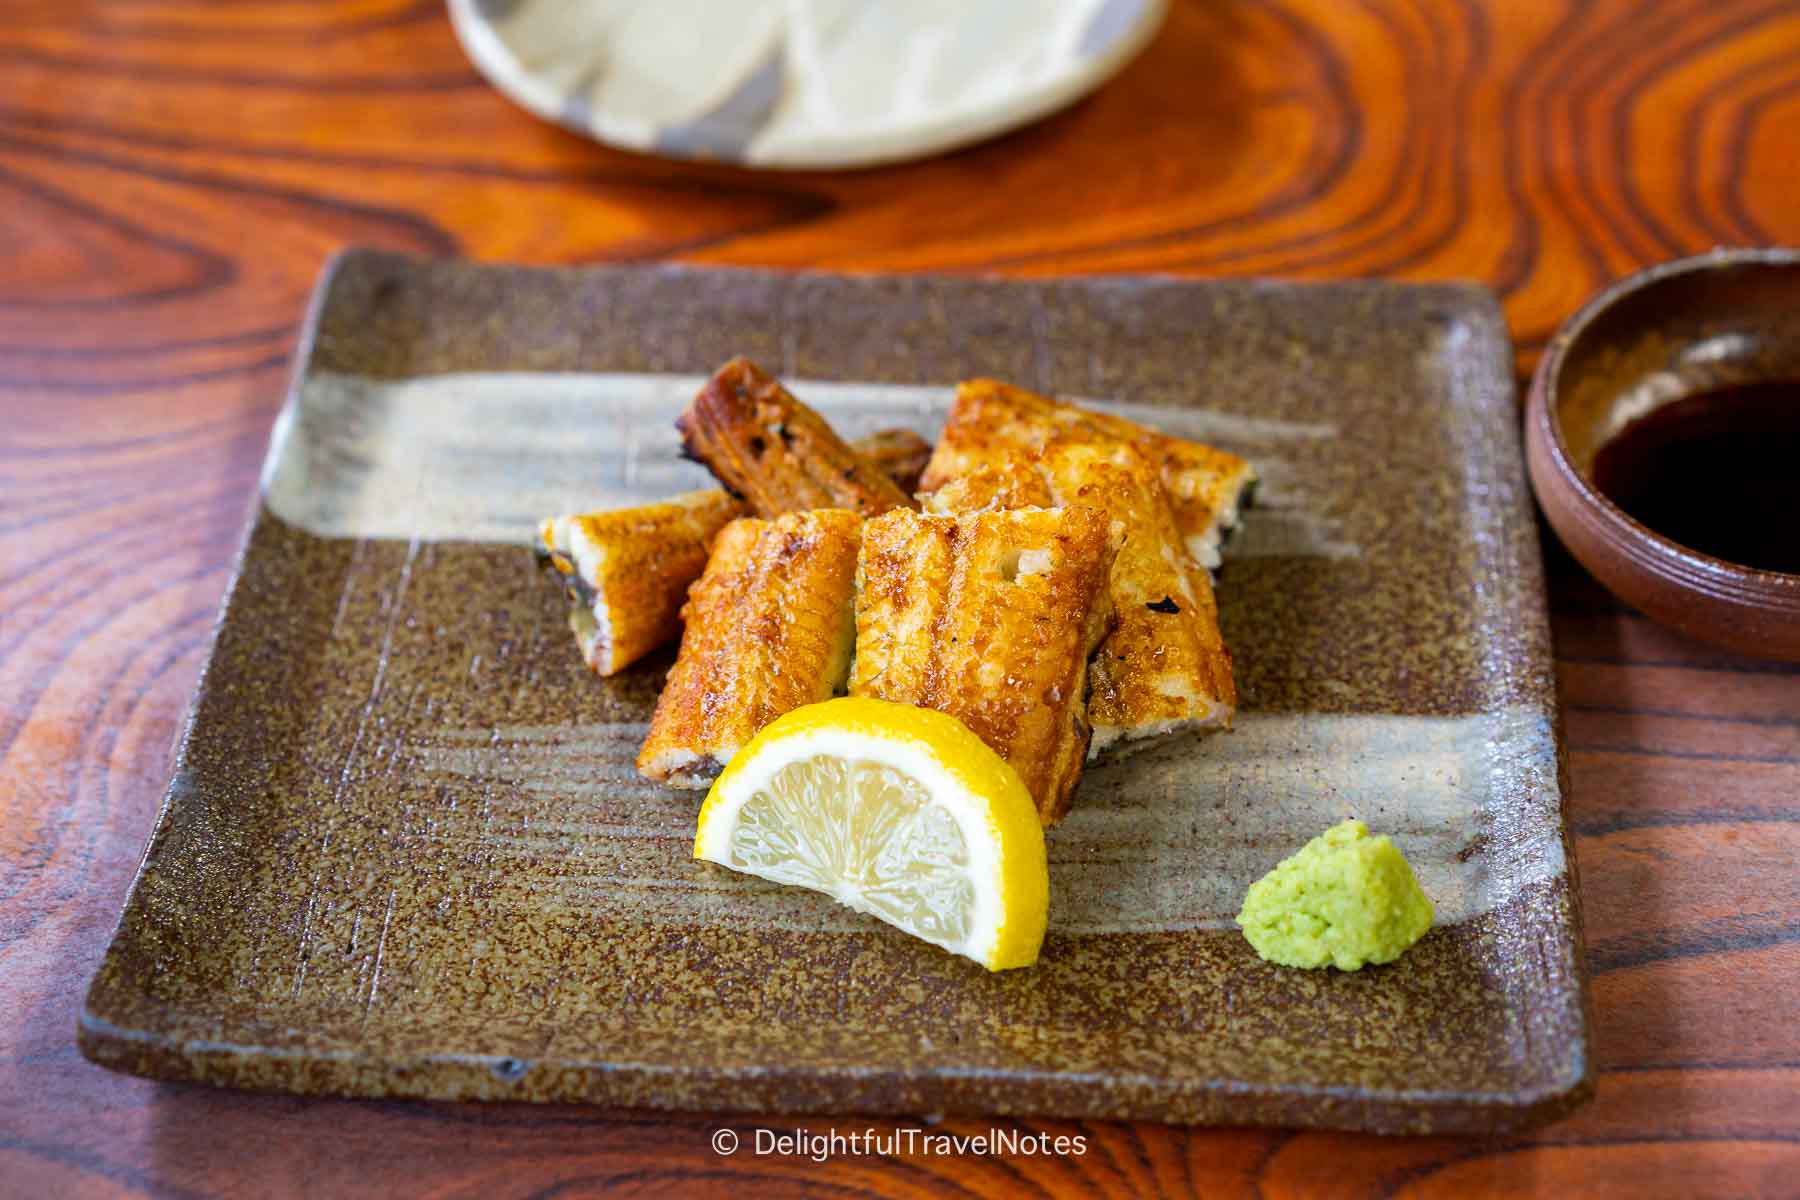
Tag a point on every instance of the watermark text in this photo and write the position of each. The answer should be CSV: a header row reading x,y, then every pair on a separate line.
x,y
907,1140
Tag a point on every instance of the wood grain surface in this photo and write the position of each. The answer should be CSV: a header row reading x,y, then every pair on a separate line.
x,y
173,174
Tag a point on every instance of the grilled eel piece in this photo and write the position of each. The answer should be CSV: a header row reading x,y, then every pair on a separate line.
x,y
1164,667
627,570
990,617
900,453
768,628
774,452
992,421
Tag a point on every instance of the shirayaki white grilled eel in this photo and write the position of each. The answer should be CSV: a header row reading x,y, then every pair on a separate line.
x,y
777,454
767,628
1164,667
992,423
628,570
990,617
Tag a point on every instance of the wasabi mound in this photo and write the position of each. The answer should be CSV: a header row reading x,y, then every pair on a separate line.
x,y
1344,900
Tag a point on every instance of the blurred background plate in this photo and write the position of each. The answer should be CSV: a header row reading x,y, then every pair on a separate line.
x,y
800,83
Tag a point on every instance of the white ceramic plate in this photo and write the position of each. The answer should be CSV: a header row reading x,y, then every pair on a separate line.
x,y
799,83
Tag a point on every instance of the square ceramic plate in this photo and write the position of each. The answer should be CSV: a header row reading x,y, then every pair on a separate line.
x,y
404,852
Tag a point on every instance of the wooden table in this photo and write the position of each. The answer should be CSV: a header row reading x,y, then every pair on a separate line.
x,y
174,172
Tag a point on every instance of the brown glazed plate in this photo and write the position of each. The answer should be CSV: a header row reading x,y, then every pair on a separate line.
x,y
404,851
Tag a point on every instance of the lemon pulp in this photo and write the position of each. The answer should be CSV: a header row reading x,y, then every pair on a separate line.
x,y
895,811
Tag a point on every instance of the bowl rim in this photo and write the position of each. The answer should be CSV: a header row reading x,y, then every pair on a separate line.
x,y
1688,564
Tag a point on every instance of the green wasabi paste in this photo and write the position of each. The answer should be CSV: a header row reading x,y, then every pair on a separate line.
x,y
1344,900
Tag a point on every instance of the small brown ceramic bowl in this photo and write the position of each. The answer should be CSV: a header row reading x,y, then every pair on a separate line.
x,y
1671,333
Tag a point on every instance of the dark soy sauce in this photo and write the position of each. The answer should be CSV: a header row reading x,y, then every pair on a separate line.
x,y
1718,472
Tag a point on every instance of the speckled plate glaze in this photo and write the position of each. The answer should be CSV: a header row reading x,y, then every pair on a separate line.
x,y
404,852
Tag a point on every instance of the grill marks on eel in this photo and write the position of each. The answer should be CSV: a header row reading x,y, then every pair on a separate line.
x,y
768,628
990,617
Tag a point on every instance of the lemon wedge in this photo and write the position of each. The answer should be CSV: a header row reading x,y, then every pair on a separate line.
x,y
898,812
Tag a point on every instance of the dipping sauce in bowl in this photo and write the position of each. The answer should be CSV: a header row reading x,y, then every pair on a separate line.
x,y
1718,472
1663,439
